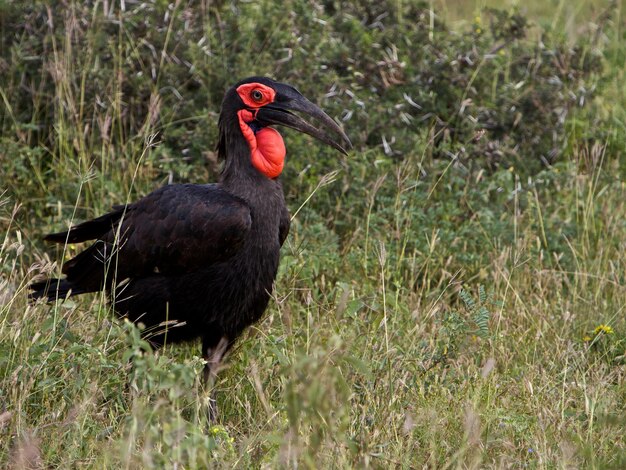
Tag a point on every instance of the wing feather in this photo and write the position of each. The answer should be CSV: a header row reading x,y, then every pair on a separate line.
x,y
175,229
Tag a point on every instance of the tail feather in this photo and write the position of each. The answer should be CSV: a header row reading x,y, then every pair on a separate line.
x,y
84,262
86,271
52,289
89,230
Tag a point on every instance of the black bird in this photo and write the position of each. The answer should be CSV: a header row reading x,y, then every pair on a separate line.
x,y
199,261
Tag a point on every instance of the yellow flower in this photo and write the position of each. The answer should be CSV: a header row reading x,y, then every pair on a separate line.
x,y
478,30
477,19
603,329
587,338
216,430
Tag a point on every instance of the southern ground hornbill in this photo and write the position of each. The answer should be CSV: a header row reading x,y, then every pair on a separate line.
x,y
198,261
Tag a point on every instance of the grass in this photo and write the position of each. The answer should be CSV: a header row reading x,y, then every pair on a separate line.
x,y
432,310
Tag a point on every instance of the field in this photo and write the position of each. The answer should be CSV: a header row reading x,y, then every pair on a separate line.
x,y
452,294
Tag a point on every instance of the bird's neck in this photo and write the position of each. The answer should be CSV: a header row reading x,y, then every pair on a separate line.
x,y
239,176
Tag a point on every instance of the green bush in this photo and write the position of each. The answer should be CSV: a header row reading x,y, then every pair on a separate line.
x,y
391,71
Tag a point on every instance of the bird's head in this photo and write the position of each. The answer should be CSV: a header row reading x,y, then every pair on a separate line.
x,y
254,104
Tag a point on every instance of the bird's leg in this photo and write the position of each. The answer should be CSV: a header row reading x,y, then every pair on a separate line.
x,y
213,355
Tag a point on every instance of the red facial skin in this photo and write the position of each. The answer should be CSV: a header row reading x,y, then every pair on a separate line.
x,y
267,149
246,94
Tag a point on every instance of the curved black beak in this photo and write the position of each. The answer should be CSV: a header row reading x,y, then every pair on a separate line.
x,y
279,112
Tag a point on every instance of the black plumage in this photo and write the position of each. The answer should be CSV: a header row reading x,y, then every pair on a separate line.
x,y
201,257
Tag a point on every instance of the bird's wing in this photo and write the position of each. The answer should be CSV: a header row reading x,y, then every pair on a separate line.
x,y
175,229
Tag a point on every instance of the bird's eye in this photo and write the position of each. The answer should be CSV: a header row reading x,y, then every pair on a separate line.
x,y
257,96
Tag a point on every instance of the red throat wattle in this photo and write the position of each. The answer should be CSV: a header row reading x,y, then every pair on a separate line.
x,y
267,148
